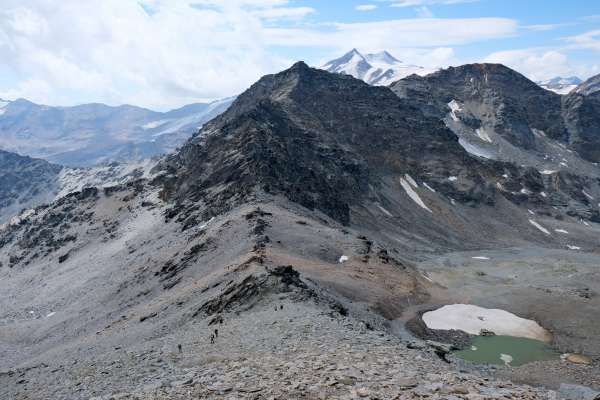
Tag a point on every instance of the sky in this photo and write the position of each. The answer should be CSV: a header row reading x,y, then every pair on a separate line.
x,y
162,54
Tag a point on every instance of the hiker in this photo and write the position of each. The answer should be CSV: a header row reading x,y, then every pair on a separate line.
x,y
216,333
179,347
212,338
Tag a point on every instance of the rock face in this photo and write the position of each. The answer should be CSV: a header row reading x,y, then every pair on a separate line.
x,y
24,183
27,182
501,99
493,100
582,108
91,134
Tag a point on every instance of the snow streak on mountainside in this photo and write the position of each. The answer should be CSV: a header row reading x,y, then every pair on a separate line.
x,y
375,69
92,134
560,85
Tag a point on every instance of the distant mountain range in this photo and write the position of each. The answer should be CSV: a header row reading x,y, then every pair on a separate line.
x,y
376,69
560,85
92,134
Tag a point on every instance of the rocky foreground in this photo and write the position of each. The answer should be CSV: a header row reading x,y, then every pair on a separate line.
x,y
281,349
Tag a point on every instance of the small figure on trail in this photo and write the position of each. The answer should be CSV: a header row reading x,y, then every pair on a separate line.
x,y
281,307
212,338
179,347
216,333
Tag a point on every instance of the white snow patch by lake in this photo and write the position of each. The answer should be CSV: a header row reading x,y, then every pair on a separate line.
x,y
472,319
452,178
343,259
541,228
483,135
50,314
571,247
507,358
386,212
547,172
429,187
480,258
543,194
530,212
413,195
586,194
561,231
538,133
474,348
525,191
564,164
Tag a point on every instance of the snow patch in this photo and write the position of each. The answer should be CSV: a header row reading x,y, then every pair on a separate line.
x,y
429,187
586,194
541,228
480,258
413,195
571,247
411,180
472,319
483,135
454,107
50,314
473,149
452,178
507,358
343,259
561,231
547,172
530,212
386,212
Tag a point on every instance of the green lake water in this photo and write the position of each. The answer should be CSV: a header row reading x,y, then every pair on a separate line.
x,y
507,350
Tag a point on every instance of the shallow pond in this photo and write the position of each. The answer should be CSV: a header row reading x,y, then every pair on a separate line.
x,y
507,350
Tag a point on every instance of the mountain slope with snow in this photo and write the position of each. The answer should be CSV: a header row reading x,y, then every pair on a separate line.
x,y
27,183
92,134
560,85
379,69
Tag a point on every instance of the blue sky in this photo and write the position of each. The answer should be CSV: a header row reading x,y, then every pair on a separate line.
x,y
165,53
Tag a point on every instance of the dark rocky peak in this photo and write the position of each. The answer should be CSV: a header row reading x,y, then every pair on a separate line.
x,y
496,95
325,141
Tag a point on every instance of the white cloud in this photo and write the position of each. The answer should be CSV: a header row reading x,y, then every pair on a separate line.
x,y
541,64
365,7
388,34
424,12
588,40
114,51
168,53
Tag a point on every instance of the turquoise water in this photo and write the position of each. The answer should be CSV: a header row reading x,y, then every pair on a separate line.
x,y
507,350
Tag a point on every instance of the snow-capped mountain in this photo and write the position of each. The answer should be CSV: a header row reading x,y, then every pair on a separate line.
x,y
92,134
376,68
589,87
560,85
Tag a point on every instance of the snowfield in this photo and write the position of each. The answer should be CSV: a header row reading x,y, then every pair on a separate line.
x,y
472,319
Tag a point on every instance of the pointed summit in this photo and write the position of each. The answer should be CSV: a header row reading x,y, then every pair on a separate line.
x,y
377,69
